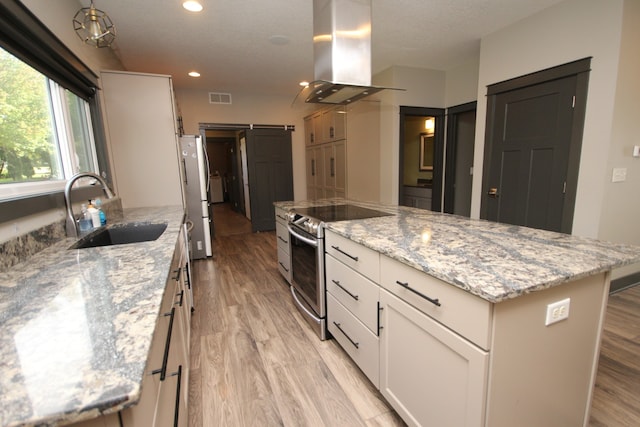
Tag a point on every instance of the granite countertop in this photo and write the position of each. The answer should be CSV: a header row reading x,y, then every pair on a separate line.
x,y
76,325
491,260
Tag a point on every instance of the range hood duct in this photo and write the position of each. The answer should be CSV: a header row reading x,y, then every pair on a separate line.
x,y
341,51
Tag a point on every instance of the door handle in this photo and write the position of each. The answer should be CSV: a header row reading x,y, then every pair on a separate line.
x,y
493,193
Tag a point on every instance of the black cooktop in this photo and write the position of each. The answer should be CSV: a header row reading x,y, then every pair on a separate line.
x,y
331,213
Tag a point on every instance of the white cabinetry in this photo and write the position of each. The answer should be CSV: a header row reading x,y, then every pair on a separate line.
x,y
344,161
352,301
449,358
141,128
334,124
283,244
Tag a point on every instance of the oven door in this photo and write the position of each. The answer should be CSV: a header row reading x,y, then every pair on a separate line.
x,y
307,270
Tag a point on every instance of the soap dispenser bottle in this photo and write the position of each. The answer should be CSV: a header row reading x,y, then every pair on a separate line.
x,y
95,216
102,215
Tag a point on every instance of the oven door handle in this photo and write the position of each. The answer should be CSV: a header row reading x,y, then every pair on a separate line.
x,y
303,238
301,305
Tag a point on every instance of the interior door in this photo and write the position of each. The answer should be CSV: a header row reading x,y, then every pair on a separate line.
x,y
270,174
530,134
461,125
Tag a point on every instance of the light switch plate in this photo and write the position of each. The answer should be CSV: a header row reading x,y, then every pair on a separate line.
x,y
619,175
636,151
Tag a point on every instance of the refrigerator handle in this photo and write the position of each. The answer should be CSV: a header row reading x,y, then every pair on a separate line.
x,y
206,162
184,171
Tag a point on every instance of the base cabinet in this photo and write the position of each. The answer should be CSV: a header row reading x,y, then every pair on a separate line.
x,y
165,386
283,245
430,375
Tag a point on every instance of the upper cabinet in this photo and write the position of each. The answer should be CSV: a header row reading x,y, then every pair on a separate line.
x,y
334,124
342,155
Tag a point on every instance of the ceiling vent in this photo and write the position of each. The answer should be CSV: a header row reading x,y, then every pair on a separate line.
x,y
219,98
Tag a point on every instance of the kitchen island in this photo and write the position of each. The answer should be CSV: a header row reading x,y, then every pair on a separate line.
x,y
78,326
475,322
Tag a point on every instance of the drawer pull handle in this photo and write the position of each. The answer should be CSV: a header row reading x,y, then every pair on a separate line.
x,y
177,274
355,344
176,412
181,295
163,370
355,258
355,297
285,268
283,241
431,300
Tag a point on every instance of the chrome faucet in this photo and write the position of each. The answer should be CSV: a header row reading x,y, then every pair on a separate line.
x,y
72,226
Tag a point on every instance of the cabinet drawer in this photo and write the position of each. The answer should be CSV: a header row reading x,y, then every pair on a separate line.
x,y
358,341
464,313
281,216
354,291
284,264
282,236
363,260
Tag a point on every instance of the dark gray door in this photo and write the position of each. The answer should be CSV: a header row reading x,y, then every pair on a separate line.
x,y
270,170
530,132
461,126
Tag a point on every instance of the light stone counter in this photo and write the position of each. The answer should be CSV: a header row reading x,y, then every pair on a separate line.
x,y
76,325
488,259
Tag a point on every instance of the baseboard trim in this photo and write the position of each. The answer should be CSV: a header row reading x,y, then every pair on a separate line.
x,y
625,282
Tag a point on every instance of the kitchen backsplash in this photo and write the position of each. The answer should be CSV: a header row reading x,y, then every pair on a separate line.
x,y
22,247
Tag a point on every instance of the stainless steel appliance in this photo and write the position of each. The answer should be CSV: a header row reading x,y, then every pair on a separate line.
x,y
306,234
196,193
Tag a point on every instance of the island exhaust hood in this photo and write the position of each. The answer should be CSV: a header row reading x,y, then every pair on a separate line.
x,y
341,51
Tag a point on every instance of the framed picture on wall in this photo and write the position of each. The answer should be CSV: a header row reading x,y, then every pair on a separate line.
x,y
426,152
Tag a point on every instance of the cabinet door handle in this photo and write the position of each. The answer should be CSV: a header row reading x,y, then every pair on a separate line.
x,y
186,276
176,413
337,248
177,272
332,167
331,132
311,137
313,167
165,358
355,344
285,268
337,282
283,241
431,300
379,314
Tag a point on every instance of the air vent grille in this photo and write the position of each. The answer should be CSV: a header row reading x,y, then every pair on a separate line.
x,y
219,98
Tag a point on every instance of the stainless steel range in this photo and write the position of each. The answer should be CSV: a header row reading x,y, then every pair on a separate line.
x,y
306,232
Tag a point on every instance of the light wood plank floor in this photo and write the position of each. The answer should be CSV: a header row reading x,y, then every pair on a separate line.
x,y
255,362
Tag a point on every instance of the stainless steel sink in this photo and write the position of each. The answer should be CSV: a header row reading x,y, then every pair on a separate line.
x,y
121,234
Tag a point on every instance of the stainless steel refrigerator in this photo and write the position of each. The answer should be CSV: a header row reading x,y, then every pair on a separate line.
x,y
196,192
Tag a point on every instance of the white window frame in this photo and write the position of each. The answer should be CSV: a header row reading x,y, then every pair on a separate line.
x,y
63,135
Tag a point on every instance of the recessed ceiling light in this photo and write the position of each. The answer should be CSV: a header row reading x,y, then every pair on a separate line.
x,y
194,74
304,83
192,6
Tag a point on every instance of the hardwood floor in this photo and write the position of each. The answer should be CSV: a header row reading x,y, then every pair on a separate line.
x,y
255,362
616,399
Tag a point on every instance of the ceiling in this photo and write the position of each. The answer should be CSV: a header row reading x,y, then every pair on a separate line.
x,y
265,47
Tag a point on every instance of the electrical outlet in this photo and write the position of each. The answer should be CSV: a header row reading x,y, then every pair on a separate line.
x,y
199,245
557,311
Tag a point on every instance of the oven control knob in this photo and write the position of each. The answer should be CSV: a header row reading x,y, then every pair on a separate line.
x,y
312,227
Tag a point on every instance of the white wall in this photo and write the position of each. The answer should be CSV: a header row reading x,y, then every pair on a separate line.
x,y
195,108
565,32
620,209
424,88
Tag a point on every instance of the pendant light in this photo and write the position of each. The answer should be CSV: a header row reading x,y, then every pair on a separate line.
x,y
94,27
